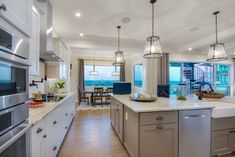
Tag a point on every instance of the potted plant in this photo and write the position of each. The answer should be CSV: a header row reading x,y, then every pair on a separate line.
x,y
60,86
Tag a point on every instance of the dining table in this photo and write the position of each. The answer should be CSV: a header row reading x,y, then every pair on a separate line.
x,y
91,92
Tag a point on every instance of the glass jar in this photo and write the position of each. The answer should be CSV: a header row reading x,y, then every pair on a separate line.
x,y
182,91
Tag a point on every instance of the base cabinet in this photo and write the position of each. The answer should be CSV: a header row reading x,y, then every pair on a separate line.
x,y
48,134
116,114
223,136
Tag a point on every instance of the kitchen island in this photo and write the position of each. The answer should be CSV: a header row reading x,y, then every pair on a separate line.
x,y
167,127
50,124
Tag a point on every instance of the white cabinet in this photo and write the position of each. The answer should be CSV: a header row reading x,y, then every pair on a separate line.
x,y
48,134
34,54
17,12
38,141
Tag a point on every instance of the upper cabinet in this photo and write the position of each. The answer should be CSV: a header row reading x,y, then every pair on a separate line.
x,y
18,13
34,54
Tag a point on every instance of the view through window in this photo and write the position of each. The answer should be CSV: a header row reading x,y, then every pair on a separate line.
x,y
138,74
104,79
215,74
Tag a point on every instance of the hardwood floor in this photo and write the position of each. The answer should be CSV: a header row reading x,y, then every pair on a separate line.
x,y
91,135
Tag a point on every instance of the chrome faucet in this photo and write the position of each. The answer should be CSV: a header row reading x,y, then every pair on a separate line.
x,y
200,95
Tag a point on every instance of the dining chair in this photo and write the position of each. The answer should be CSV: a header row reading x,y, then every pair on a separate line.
x,y
82,96
107,96
98,95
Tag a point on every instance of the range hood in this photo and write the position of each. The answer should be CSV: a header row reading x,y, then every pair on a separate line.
x,y
47,52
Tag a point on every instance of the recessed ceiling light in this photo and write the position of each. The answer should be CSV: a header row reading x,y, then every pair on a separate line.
x,y
190,49
78,14
81,34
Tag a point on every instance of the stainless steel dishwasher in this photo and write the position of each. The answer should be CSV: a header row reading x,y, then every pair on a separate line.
x,y
195,133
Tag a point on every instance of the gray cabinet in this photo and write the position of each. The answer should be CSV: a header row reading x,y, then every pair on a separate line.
x,y
116,114
220,140
223,136
131,132
159,140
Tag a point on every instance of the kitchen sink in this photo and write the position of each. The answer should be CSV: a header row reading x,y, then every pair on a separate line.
x,y
222,109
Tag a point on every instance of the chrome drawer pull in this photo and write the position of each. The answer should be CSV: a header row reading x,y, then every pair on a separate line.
x,y
160,127
159,118
39,130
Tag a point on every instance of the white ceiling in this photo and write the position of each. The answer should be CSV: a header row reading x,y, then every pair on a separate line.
x,y
179,23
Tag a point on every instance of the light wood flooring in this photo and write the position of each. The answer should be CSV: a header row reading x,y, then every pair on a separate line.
x,y
91,135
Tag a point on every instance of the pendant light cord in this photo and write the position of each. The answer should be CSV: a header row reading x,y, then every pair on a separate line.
x,y
216,29
94,61
118,27
152,19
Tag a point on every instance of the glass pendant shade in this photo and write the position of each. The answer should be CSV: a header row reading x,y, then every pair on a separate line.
x,y
217,52
153,47
119,58
115,73
94,72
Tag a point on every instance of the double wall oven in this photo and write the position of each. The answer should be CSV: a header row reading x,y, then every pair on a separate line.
x,y
14,112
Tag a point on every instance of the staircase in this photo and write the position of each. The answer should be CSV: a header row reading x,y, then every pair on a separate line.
x,y
195,75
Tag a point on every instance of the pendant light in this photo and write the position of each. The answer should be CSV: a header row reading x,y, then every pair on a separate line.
x,y
119,57
153,46
217,50
94,72
115,73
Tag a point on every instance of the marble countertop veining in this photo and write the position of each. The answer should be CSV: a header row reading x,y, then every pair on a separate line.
x,y
163,104
36,114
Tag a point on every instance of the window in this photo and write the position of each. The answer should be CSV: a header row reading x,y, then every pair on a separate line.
x,y
138,80
215,74
175,76
104,79
222,79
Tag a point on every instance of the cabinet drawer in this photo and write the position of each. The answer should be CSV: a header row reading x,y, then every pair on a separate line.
x,y
158,117
39,128
223,123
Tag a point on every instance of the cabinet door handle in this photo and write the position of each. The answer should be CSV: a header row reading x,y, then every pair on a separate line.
x,y
233,131
55,122
3,7
159,127
66,114
159,118
45,136
39,130
54,148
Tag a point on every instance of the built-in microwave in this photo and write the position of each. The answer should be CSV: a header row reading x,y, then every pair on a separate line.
x,y
12,41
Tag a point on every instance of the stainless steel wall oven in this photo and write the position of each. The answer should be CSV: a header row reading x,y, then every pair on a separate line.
x,y
14,112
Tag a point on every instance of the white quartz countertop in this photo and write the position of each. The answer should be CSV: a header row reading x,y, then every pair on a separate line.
x,y
36,114
221,108
162,104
